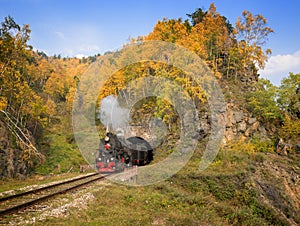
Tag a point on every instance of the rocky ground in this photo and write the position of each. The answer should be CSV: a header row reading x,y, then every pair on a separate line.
x,y
278,181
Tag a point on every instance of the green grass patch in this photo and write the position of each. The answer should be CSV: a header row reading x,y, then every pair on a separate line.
x,y
62,154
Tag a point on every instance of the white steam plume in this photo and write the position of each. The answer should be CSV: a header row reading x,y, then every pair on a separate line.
x,y
112,115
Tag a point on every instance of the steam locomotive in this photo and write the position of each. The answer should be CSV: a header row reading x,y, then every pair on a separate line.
x,y
117,153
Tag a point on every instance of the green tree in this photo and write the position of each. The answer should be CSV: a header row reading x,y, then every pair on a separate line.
x,y
289,95
197,16
262,102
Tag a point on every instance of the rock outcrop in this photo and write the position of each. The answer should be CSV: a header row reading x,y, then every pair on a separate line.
x,y
241,124
12,162
238,124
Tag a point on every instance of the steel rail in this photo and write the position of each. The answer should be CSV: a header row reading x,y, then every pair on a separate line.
x,y
44,188
18,207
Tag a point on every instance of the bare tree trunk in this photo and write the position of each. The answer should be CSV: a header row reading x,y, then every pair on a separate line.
x,y
228,65
19,111
22,137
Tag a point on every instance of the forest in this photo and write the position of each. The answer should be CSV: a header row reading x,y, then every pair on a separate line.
x,y
36,90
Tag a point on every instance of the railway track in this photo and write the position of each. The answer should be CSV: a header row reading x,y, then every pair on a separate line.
x,y
14,203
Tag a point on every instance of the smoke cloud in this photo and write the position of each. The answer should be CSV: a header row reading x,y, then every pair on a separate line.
x,y
111,114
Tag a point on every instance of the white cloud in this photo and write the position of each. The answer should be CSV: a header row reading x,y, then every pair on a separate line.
x,y
79,40
80,56
80,50
279,66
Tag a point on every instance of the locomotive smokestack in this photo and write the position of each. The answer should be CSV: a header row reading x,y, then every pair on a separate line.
x,y
108,127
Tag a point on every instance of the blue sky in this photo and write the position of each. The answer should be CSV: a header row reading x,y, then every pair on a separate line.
x,y
77,28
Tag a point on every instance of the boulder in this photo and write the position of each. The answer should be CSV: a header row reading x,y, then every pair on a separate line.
x,y
238,116
242,126
253,128
252,120
229,119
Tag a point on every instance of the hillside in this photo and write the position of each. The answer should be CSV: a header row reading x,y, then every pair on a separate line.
x,y
254,178
239,188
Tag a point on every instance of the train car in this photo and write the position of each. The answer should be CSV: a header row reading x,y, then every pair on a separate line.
x,y
141,151
116,153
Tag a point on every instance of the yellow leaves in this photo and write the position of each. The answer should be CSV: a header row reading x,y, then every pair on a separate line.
x,y
252,33
168,30
31,84
218,74
268,51
209,37
69,98
213,38
50,107
241,145
3,103
54,84
212,10
132,72
290,129
196,40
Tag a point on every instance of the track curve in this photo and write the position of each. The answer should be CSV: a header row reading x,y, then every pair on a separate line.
x,y
14,203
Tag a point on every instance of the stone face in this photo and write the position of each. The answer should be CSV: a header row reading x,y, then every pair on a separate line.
x,y
229,119
252,120
229,134
282,148
253,128
242,126
263,132
285,147
238,116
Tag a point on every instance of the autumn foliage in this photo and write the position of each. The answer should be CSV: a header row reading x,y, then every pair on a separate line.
x,y
37,91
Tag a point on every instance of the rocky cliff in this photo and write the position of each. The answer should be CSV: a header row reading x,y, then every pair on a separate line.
x,y
15,160
241,124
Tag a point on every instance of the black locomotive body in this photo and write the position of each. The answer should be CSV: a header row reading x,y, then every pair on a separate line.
x,y
116,153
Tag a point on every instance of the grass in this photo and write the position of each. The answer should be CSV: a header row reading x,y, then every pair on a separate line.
x,y
224,194
62,153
